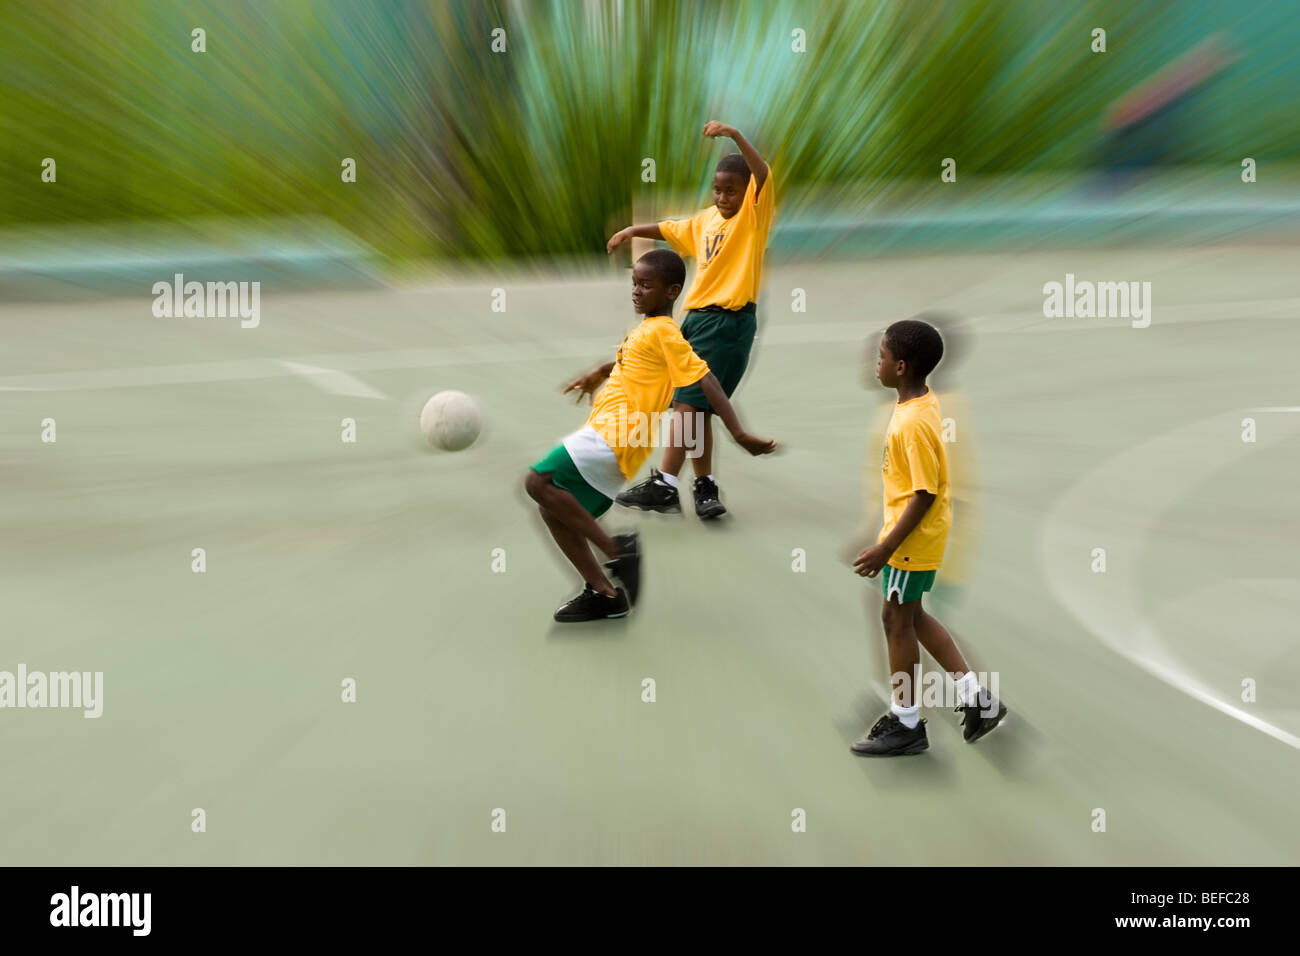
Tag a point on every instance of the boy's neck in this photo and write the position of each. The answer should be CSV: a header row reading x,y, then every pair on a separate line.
x,y
657,314
910,390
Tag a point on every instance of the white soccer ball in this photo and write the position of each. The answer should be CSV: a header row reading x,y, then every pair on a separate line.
x,y
450,421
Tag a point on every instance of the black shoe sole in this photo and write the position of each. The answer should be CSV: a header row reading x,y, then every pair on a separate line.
x,y
580,620
658,509
921,746
717,510
984,729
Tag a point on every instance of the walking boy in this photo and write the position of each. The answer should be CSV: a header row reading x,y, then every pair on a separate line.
x,y
727,241
576,483
918,516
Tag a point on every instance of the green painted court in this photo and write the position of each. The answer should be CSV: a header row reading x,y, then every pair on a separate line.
x,y
373,561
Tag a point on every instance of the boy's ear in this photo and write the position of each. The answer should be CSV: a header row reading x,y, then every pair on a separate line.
x,y
674,291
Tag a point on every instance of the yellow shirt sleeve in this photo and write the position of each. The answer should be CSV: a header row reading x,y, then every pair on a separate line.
x,y
680,234
684,366
923,460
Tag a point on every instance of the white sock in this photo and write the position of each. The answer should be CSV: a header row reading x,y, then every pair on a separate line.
x,y
910,716
968,689
670,479
711,479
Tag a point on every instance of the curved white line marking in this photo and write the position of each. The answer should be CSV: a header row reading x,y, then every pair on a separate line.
x,y
1169,466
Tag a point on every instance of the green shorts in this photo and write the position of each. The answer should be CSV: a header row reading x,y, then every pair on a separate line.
x,y
908,586
723,339
564,474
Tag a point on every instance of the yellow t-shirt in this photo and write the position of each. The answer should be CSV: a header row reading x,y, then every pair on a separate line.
x,y
728,252
653,360
916,460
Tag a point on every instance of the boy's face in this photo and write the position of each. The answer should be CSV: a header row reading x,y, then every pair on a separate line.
x,y
729,192
650,294
887,367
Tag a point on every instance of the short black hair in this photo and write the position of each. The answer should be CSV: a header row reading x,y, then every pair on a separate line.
x,y
733,163
917,343
667,265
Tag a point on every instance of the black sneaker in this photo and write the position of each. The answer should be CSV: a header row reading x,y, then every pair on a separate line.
x,y
707,504
591,605
653,494
981,717
627,566
889,738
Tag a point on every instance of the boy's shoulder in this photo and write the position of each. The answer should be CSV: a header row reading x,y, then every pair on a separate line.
x,y
920,417
656,328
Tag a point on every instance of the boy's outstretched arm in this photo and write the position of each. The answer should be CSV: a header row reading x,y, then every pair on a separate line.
x,y
757,167
587,383
870,561
723,408
633,232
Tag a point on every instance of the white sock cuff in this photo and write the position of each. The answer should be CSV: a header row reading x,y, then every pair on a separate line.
x,y
968,688
909,716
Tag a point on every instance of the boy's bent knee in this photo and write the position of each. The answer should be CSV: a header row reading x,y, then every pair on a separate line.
x,y
535,484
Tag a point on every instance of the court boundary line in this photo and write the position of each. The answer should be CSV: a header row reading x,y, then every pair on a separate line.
x,y
1063,536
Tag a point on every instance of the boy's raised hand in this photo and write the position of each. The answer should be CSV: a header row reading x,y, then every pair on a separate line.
x,y
714,129
616,240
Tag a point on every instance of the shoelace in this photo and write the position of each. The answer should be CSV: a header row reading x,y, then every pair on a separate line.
x,y
881,725
589,594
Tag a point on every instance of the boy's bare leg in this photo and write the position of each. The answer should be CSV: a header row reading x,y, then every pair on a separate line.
x,y
904,652
675,448
576,549
901,731
703,464
563,513
934,637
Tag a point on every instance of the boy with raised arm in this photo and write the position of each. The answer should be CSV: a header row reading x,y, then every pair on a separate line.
x,y
576,482
727,240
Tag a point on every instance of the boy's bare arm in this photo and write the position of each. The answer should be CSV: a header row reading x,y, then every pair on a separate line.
x,y
871,560
757,167
587,383
723,408
633,232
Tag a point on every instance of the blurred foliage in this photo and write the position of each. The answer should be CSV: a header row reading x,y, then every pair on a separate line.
x,y
538,151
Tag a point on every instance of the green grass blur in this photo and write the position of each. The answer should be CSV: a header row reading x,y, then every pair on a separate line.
x,y
463,152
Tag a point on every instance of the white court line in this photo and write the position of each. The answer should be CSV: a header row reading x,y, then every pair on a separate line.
x,y
1084,517
588,349
246,369
333,381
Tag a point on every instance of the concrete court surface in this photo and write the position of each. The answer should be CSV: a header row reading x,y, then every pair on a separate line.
x,y
374,561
